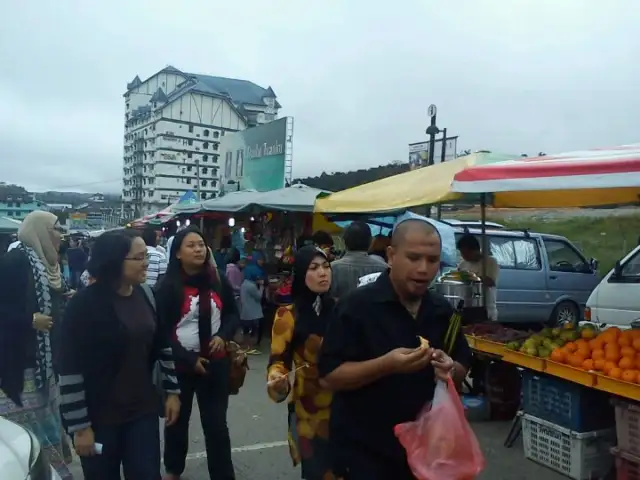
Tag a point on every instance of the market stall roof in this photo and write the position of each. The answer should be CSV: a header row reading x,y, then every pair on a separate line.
x,y
296,198
9,225
424,186
605,176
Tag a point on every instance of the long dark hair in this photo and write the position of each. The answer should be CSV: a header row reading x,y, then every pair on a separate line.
x,y
108,256
171,287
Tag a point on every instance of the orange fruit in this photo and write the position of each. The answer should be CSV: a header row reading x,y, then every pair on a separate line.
x,y
608,366
626,363
629,376
627,352
612,355
571,347
596,344
558,355
588,333
636,343
625,340
588,364
576,360
597,354
599,364
611,334
584,351
615,373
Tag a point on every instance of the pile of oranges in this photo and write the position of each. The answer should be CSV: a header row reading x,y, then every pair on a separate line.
x,y
613,352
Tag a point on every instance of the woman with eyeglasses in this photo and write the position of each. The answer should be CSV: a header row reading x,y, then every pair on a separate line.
x,y
33,294
111,348
198,304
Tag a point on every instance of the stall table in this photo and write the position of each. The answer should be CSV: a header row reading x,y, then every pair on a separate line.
x,y
630,391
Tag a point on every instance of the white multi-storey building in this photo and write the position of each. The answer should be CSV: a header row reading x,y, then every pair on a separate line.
x,y
173,125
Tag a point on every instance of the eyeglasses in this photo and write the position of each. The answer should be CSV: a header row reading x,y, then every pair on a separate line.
x,y
138,258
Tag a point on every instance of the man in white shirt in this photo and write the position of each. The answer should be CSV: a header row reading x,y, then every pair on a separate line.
x,y
157,261
472,259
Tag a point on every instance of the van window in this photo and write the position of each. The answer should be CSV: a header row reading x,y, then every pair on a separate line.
x,y
512,252
563,257
631,269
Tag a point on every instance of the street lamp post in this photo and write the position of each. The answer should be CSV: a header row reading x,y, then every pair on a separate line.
x,y
432,131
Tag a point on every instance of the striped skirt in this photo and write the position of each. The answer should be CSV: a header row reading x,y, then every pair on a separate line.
x,y
40,413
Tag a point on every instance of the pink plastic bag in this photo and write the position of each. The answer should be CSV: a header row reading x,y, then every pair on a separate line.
x,y
440,443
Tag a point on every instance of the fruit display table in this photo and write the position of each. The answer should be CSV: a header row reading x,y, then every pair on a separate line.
x,y
607,360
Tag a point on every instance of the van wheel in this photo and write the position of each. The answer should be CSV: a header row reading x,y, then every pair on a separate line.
x,y
565,312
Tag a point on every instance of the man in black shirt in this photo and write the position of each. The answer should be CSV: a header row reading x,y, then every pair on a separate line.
x,y
371,356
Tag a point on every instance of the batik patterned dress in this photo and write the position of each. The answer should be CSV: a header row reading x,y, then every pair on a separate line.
x,y
309,403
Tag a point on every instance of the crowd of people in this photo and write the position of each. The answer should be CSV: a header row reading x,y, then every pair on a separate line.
x,y
145,329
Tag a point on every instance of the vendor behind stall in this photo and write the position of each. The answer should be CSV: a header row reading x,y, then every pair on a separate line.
x,y
472,260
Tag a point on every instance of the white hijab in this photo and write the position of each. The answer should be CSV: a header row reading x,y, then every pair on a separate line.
x,y
36,232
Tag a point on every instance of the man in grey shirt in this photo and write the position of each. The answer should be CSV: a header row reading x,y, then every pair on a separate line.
x,y
356,262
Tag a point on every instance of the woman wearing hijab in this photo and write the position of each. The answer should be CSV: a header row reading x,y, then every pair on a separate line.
x,y
298,330
199,307
111,342
32,296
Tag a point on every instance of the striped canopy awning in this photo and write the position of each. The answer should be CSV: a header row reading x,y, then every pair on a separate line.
x,y
603,168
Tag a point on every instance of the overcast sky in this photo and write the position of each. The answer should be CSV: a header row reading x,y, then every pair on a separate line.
x,y
509,76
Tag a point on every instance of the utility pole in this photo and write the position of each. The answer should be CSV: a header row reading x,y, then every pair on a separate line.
x,y
432,131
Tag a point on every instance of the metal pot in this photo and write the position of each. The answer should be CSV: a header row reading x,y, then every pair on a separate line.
x,y
456,286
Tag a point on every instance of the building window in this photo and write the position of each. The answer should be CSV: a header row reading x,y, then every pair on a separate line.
x,y
217,134
189,155
206,132
203,195
204,183
190,128
215,146
205,145
189,168
189,181
205,158
190,142
204,170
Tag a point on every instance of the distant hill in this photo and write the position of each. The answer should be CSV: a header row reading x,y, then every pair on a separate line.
x,y
334,182
73,198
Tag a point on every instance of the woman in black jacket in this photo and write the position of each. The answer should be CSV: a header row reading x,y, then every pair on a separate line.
x,y
110,345
200,307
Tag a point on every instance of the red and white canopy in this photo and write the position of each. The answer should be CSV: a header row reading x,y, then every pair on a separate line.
x,y
615,167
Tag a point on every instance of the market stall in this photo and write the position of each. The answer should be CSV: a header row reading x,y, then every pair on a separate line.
x,y
580,384
269,223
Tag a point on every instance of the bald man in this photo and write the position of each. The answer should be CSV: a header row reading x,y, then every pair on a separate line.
x,y
371,356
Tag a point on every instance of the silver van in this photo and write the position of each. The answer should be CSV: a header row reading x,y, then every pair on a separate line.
x,y
543,278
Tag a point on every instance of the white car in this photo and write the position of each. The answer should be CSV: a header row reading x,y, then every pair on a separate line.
x,y
21,457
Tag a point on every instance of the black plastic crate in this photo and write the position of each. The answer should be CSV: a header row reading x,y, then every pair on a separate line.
x,y
565,403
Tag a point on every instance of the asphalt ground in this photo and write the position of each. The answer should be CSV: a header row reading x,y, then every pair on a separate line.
x,y
258,436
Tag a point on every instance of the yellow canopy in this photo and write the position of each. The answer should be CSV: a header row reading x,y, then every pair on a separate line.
x,y
424,186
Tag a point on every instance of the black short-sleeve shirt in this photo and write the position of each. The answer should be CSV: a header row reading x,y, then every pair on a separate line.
x,y
370,321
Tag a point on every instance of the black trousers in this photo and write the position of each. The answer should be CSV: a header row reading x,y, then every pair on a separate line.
x,y
135,445
357,462
212,392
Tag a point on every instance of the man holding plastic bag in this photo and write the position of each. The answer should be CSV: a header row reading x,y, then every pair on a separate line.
x,y
382,355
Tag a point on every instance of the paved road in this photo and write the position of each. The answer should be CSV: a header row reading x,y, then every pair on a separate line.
x,y
258,433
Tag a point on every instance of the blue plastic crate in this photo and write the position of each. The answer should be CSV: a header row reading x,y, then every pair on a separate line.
x,y
565,403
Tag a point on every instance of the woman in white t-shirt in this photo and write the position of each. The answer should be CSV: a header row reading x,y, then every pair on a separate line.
x,y
472,259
